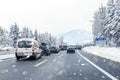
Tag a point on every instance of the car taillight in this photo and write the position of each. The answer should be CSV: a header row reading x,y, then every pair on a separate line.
x,y
33,48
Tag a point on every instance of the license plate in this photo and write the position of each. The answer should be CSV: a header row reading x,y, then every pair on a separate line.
x,y
27,53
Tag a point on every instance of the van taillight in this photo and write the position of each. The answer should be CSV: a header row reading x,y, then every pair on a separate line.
x,y
33,48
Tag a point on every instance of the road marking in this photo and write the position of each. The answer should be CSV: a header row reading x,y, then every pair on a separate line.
x,y
60,55
97,67
40,63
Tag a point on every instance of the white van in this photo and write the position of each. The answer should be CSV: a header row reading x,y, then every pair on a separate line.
x,y
27,47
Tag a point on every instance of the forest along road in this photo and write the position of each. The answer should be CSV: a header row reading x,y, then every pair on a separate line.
x,y
61,66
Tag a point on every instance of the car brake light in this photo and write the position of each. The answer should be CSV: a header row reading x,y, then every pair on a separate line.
x,y
33,48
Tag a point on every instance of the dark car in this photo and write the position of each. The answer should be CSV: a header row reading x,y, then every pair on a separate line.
x,y
71,50
45,49
54,50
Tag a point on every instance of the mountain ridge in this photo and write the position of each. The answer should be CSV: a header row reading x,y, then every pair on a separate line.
x,y
76,36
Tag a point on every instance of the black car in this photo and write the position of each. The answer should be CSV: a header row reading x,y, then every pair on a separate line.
x,y
71,50
53,50
45,49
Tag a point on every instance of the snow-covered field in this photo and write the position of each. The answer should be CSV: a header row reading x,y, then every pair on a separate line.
x,y
7,52
105,52
6,56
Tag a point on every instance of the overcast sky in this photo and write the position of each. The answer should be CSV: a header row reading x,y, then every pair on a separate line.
x,y
53,16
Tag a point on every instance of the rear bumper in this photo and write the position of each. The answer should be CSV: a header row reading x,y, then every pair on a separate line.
x,y
70,50
21,55
53,51
45,51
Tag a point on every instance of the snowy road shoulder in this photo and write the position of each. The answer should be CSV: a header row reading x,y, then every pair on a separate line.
x,y
97,67
105,52
6,56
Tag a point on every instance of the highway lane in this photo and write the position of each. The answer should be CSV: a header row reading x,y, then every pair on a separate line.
x,y
61,66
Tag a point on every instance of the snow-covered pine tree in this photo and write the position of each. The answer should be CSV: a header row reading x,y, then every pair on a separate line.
x,y
36,34
1,36
109,21
112,23
25,33
31,35
54,41
98,23
115,29
14,33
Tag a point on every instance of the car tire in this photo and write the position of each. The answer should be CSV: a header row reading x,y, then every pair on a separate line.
x,y
67,51
17,57
40,56
49,53
46,54
34,57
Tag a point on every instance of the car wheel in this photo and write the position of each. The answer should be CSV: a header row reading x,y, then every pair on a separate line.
x,y
34,57
40,56
67,51
17,57
46,54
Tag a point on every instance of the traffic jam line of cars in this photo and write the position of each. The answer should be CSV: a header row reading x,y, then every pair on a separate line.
x,y
30,48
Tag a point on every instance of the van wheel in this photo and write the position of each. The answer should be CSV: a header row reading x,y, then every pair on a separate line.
x,y
46,54
40,56
17,57
34,57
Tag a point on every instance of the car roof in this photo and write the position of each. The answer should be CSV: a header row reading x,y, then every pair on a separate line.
x,y
26,39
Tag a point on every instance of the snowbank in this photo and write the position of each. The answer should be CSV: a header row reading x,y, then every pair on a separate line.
x,y
6,52
7,56
6,48
105,52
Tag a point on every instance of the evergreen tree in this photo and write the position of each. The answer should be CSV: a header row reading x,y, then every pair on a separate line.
x,y
98,24
112,23
14,33
25,33
1,36
36,34
31,34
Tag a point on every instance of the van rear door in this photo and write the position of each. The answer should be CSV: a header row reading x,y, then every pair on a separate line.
x,y
25,47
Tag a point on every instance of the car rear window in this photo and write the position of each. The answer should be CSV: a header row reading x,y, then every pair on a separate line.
x,y
24,44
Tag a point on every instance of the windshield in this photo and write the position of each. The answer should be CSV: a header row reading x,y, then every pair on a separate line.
x,y
59,39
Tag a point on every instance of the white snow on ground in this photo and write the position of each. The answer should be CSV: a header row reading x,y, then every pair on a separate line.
x,y
6,56
105,52
6,52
